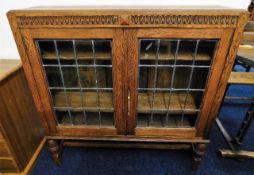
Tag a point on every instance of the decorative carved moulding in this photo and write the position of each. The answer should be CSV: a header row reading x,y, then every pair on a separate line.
x,y
184,19
25,21
126,20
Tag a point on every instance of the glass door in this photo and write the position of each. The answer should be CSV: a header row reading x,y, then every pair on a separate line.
x,y
168,86
79,76
81,72
172,80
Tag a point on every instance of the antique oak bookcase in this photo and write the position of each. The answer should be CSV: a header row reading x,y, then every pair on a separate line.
x,y
147,77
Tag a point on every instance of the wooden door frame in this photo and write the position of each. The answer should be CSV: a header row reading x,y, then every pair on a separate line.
x,y
29,35
224,37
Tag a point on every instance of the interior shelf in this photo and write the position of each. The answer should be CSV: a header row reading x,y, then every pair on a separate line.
x,y
92,119
161,103
81,55
100,55
144,102
89,101
160,122
185,56
246,51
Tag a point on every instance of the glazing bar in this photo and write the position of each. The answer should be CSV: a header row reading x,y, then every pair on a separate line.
x,y
148,39
79,81
96,82
155,80
172,66
172,81
158,109
76,88
62,79
169,89
190,79
81,108
74,65
238,98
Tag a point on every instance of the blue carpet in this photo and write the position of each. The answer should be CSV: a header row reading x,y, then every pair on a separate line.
x,y
107,161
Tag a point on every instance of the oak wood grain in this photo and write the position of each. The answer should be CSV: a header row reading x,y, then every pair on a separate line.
x,y
246,51
213,80
4,152
21,129
161,103
110,144
125,26
246,78
176,133
236,40
132,138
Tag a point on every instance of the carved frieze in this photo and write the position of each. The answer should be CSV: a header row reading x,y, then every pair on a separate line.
x,y
183,19
132,20
68,20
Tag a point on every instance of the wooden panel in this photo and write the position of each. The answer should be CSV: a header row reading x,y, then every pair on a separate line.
x,y
20,42
213,80
21,125
172,132
246,51
132,138
7,165
225,74
85,131
246,78
34,158
68,33
179,33
132,82
1,135
118,79
3,150
110,144
29,167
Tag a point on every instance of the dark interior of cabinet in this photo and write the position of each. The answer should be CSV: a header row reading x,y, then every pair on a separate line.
x,y
172,79
79,76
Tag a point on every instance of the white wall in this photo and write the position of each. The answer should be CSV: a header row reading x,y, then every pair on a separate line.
x,y
7,44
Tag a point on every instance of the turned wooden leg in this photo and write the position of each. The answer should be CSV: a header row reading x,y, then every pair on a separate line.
x,y
54,148
198,153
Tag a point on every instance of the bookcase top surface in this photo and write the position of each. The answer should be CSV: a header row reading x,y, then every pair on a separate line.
x,y
209,9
